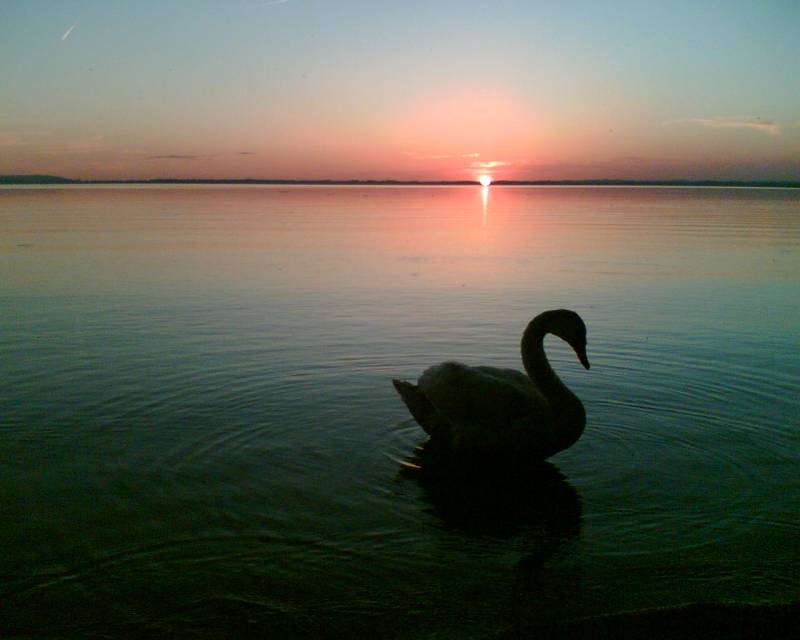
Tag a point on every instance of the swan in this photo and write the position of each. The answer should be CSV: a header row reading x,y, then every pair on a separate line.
x,y
503,411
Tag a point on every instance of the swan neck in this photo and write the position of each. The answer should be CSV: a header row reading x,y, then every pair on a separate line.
x,y
568,413
535,360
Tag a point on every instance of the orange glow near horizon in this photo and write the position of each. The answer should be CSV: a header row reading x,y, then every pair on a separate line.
x,y
465,132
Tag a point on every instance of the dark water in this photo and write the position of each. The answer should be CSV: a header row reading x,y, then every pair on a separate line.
x,y
198,430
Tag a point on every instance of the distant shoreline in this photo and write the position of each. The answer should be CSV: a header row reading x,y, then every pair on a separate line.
x,y
57,180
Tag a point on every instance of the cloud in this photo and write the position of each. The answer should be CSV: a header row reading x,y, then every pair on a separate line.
x,y
247,153
755,123
441,156
270,3
68,31
175,156
490,165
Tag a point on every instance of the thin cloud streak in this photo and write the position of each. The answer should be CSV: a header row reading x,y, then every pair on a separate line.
x,y
68,31
441,156
270,3
175,156
755,123
491,164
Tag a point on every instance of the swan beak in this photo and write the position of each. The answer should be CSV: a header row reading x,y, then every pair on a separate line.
x,y
581,351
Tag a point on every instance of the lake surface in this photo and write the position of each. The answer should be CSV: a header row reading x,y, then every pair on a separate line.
x,y
198,432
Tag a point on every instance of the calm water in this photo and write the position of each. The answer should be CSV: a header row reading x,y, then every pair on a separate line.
x,y
198,430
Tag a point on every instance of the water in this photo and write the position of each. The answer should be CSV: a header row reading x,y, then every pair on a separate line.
x,y
198,431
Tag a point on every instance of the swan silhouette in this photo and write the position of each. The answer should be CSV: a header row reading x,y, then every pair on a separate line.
x,y
488,411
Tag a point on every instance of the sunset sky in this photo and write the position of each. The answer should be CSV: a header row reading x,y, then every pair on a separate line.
x,y
429,90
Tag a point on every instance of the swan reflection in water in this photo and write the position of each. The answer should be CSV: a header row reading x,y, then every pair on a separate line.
x,y
487,496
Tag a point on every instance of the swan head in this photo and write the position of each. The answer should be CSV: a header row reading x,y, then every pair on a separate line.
x,y
569,326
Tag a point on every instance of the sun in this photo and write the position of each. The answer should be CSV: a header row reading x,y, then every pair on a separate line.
x,y
485,180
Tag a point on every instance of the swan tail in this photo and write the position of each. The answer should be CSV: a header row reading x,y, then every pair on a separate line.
x,y
420,408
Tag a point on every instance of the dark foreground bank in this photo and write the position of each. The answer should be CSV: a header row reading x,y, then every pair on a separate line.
x,y
230,618
708,621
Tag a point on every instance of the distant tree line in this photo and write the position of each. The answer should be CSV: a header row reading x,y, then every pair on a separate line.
x,y
46,179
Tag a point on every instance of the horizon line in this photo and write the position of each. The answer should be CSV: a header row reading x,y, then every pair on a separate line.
x,y
24,179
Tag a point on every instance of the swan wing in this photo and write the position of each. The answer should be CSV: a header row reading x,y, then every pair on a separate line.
x,y
483,398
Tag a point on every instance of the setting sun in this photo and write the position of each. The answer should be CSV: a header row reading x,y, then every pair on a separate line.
x,y
485,180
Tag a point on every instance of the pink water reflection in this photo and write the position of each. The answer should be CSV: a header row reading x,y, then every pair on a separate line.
x,y
144,238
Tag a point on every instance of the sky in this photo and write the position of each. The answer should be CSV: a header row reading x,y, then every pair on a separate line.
x,y
410,90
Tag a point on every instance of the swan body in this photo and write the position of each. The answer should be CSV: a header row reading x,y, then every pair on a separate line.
x,y
504,411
